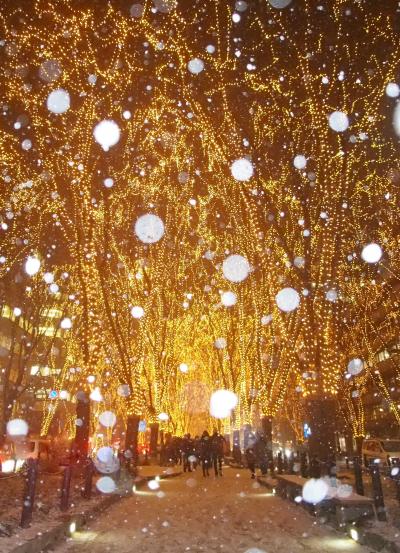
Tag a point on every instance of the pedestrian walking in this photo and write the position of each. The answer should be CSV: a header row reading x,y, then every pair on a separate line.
x,y
206,452
197,451
179,450
176,451
187,451
251,460
261,453
218,444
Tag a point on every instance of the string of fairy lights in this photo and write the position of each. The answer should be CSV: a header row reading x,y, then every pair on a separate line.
x,y
190,90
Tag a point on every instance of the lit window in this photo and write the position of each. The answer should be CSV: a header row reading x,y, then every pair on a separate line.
x,y
382,355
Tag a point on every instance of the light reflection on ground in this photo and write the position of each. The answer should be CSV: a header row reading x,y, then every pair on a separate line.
x,y
225,514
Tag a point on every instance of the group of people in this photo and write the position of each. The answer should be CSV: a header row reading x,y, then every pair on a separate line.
x,y
206,451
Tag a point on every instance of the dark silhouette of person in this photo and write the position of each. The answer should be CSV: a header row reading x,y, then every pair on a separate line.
x,y
206,452
176,451
217,451
187,451
197,451
261,453
251,460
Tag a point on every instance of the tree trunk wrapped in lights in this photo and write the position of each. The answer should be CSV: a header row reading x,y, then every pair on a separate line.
x,y
81,442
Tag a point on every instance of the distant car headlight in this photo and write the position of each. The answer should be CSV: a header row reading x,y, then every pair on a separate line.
x,y
8,466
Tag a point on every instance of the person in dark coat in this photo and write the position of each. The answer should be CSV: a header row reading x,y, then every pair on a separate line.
x,y
187,451
251,460
217,451
176,451
197,451
206,452
261,453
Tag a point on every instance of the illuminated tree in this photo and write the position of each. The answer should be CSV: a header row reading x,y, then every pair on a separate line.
x,y
32,345
300,92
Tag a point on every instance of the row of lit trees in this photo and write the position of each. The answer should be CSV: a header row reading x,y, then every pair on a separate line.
x,y
299,223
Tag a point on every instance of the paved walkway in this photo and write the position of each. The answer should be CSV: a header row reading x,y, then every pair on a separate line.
x,y
190,513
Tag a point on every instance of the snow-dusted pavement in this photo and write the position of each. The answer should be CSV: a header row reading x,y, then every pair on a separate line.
x,y
191,513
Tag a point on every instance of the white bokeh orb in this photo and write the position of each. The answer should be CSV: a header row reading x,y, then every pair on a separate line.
x,y
241,5
371,253
300,162
331,295
220,343
106,133
106,484
279,4
105,454
235,268
32,265
315,491
108,182
392,90
165,6
17,428
96,395
149,228
183,368
163,417
26,144
338,121
395,471
242,169
58,101
123,390
107,419
266,319
110,464
196,66
153,485
136,10
287,299
299,262
355,366
50,71
48,278
137,312
221,403
228,299
54,288
66,323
